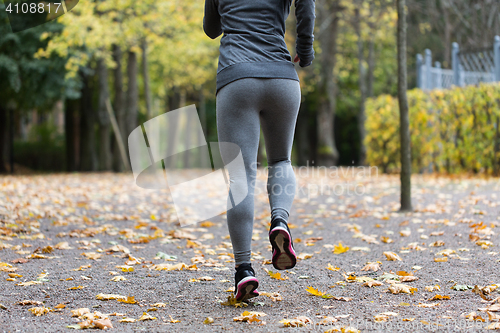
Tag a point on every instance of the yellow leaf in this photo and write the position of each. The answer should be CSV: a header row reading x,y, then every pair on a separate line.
x,y
443,259
315,292
338,249
129,300
127,320
39,311
277,276
330,267
146,316
75,288
439,297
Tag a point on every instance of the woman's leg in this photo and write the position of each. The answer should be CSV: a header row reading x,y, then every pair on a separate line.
x,y
238,123
278,119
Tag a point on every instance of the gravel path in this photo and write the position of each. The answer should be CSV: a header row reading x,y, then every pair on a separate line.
x,y
102,215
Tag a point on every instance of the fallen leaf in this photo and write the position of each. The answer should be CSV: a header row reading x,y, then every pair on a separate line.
x,y
250,316
128,300
304,256
146,316
443,259
39,311
330,267
438,297
423,305
299,321
277,276
339,249
79,312
372,266
398,288
107,297
127,320
372,284
391,256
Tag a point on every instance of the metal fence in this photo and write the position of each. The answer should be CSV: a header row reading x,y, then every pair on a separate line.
x,y
469,67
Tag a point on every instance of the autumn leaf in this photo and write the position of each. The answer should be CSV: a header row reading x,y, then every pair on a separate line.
x,y
338,249
146,316
79,312
208,320
439,297
315,292
29,283
273,296
92,255
330,267
371,266
125,268
386,240
277,276
399,288
107,297
250,316
39,311
304,256
424,305
391,256
299,321
75,288
231,301
118,248
118,278
372,284
443,259
128,300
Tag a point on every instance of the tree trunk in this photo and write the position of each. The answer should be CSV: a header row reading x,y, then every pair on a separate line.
x,y
327,151
69,133
145,78
118,107
88,156
132,94
3,138
302,135
362,88
105,158
403,111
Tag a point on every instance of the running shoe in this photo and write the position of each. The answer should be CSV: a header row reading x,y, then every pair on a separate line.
x,y
245,282
284,256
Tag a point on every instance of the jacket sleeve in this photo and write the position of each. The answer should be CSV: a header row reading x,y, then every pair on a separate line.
x,y
305,14
211,20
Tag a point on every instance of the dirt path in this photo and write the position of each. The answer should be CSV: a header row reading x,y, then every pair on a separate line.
x,y
100,216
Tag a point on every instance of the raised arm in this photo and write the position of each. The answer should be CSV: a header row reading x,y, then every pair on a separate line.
x,y
305,14
211,20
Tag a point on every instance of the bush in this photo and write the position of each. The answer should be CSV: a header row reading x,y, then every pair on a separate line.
x,y
44,151
455,130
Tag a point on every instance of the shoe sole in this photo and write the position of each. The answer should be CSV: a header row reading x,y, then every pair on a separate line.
x,y
247,288
284,256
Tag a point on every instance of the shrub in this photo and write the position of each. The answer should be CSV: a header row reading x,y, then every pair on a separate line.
x,y
455,130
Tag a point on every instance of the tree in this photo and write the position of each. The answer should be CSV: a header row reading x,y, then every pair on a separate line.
x,y
26,81
404,128
328,21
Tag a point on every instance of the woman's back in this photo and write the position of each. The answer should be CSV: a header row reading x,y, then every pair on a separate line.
x,y
253,43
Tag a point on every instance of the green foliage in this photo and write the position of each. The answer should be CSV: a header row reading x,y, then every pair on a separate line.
x,y
451,130
44,151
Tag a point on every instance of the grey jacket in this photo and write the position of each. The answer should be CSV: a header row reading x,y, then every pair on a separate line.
x,y
253,44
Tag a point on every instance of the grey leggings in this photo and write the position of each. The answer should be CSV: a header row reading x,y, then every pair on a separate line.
x,y
242,106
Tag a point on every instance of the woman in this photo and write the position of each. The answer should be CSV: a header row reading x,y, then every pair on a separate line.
x,y
257,84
